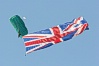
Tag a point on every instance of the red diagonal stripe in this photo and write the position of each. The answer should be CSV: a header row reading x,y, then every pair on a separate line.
x,y
69,26
84,27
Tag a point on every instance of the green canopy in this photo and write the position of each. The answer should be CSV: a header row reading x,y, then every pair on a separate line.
x,y
19,25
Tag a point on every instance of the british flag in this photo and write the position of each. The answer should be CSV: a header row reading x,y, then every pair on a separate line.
x,y
48,37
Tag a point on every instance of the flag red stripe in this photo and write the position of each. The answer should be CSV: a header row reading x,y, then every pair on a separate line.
x,y
56,32
84,27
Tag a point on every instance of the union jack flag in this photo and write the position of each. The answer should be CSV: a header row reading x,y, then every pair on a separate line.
x,y
48,37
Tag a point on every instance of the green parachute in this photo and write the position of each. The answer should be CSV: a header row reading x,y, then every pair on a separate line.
x,y
19,25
